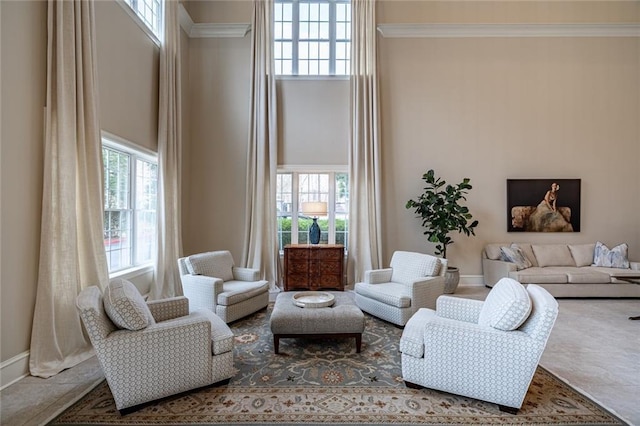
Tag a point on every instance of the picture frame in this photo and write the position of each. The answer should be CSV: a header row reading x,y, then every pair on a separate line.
x,y
527,210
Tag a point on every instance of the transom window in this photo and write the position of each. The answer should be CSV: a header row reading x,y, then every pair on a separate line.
x,y
295,188
312,37
130,204
150,13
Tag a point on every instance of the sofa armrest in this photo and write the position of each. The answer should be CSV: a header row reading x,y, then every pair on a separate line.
x,y
202,291
494,270
245,274
377,276
166,309
456,308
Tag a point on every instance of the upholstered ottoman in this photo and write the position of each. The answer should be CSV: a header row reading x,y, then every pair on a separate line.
x,y
343,319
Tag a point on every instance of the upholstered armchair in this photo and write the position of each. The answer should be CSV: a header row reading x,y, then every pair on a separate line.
x,y
211,280
413,281
151,350
484,350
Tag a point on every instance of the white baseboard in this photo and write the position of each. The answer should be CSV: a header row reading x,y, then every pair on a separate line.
x,y
14,369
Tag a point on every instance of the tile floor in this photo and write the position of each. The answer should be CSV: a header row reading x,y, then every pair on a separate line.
x,y
593,346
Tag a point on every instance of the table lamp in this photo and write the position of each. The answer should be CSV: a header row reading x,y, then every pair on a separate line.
x,y
314,209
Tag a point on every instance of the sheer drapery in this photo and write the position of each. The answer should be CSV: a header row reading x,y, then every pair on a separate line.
x,y
167,278
364,149
260,249
72,255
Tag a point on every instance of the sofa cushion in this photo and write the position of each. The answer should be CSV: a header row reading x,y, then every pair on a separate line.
x,y
392,294
514,254
582,253
125,306
553,255
408,266
506,307
586,275
537,275
612,258
218,264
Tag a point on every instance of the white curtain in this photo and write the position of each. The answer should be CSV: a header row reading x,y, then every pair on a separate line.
x,y
72,255
260,249
364,151
167,282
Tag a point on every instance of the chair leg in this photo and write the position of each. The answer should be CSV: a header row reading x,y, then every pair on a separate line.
x,y
412,385
508,410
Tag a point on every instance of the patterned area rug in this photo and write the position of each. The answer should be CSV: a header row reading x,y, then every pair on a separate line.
x,y
327,382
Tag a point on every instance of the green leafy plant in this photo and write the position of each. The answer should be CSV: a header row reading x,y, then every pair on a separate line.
x,y
441,212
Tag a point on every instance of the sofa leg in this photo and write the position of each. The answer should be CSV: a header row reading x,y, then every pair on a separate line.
x,y
508,410
412,385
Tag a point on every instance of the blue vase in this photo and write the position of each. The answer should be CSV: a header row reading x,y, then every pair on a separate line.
x,y
314,232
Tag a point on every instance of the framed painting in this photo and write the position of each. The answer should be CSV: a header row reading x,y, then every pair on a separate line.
x,y
543,205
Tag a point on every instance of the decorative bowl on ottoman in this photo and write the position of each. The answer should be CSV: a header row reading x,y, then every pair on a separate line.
x,y
313,299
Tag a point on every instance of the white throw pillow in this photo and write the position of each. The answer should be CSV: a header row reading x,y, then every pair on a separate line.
x,y
514,254
125,306
614,258
507,306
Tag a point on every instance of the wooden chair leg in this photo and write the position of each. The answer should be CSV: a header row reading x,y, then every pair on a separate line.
x,y
508,410
412,385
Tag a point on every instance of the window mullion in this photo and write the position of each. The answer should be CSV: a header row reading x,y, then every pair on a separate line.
x,y
132,207
295,35
332,37
294,208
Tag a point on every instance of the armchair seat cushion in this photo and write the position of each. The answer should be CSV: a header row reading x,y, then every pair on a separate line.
x,y
234,292
125,306
392,294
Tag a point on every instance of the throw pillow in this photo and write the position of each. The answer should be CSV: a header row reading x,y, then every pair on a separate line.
x,y
125,306
582,253
614,258
507,306
515,255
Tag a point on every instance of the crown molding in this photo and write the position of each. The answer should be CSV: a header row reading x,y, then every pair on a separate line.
x,y
508,30
194,30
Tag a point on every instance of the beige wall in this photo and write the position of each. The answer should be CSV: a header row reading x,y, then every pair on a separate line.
x,y
128,85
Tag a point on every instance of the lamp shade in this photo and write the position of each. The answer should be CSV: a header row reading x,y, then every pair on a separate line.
x,y
314,208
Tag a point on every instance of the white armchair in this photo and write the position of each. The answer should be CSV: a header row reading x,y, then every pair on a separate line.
x,y
210,280
151,350
484,350
413,281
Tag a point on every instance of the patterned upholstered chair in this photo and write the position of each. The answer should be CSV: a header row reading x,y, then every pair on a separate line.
x,y
413,281
210,280
485,350
151,350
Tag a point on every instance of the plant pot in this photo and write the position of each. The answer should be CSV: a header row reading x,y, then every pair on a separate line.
x,y
451,280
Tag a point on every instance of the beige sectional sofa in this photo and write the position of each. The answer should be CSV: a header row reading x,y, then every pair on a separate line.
x,y
565,270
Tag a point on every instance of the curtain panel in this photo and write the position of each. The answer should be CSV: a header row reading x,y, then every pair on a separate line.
x,y
72,254
167,279
260,250
364,150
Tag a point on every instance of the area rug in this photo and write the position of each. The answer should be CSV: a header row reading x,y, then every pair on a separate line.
x,y
326,382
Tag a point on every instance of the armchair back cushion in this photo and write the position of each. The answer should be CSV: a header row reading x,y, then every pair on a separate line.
x,y
218,264
506,307
125,306
407,266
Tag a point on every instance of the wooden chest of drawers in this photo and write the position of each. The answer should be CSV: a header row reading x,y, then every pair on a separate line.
x,y
313,267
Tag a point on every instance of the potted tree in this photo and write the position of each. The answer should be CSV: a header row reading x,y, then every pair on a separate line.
x,y
439,207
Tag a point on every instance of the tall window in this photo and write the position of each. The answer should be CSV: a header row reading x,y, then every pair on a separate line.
x,y
295,188
150,13
312,37
130,201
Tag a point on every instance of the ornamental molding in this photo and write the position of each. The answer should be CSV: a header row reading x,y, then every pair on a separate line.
x,y
507,30
197,30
